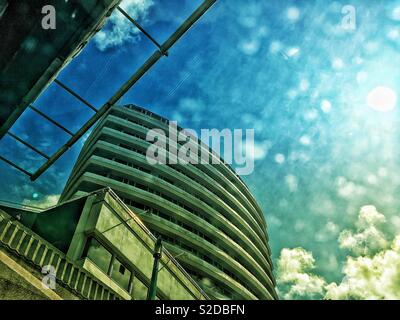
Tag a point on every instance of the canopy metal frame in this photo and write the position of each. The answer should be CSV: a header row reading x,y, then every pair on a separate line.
x,y
162,51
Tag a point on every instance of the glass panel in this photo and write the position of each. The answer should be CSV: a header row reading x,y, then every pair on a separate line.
x,y
99,255
121,274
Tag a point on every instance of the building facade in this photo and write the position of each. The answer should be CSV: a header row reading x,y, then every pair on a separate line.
x,y
205,214
89,248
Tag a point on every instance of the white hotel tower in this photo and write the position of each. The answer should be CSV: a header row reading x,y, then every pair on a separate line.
x,y
206,215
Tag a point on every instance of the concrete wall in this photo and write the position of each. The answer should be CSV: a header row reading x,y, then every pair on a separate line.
x,y
23,254
120,234
14,286
124,235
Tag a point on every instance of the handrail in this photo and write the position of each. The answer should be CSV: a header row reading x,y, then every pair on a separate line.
x,y
53,250
148,232
137,220
21,206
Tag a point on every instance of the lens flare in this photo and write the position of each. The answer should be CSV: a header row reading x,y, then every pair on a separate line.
x,y
382,99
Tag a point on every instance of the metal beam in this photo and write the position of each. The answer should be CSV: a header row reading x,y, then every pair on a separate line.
x,y
137,25
28,145
12,164
73,93
51,120
195,16
200,11
157,254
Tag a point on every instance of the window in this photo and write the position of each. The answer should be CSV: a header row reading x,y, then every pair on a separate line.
x,y
109,264
98,254
121,275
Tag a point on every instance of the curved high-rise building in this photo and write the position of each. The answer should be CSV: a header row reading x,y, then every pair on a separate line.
x,y
206,215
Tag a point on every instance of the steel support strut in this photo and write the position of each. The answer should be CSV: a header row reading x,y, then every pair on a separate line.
x,y
28,145
157,253
151,61
73,93
137,25
51,120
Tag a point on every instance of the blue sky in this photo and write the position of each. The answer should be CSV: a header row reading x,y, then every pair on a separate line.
x,y
289,70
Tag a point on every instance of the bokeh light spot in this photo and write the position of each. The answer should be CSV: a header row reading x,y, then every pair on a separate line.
x,y
382,99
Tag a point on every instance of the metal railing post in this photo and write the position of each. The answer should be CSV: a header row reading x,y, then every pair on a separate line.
x,y
152,292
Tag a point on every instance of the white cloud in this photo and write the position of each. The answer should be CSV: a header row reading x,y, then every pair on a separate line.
x,y
45,202
369,278
122,30
369,274
368,238
294,266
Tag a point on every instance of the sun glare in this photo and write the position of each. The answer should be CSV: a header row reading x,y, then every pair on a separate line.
x,y
382,99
